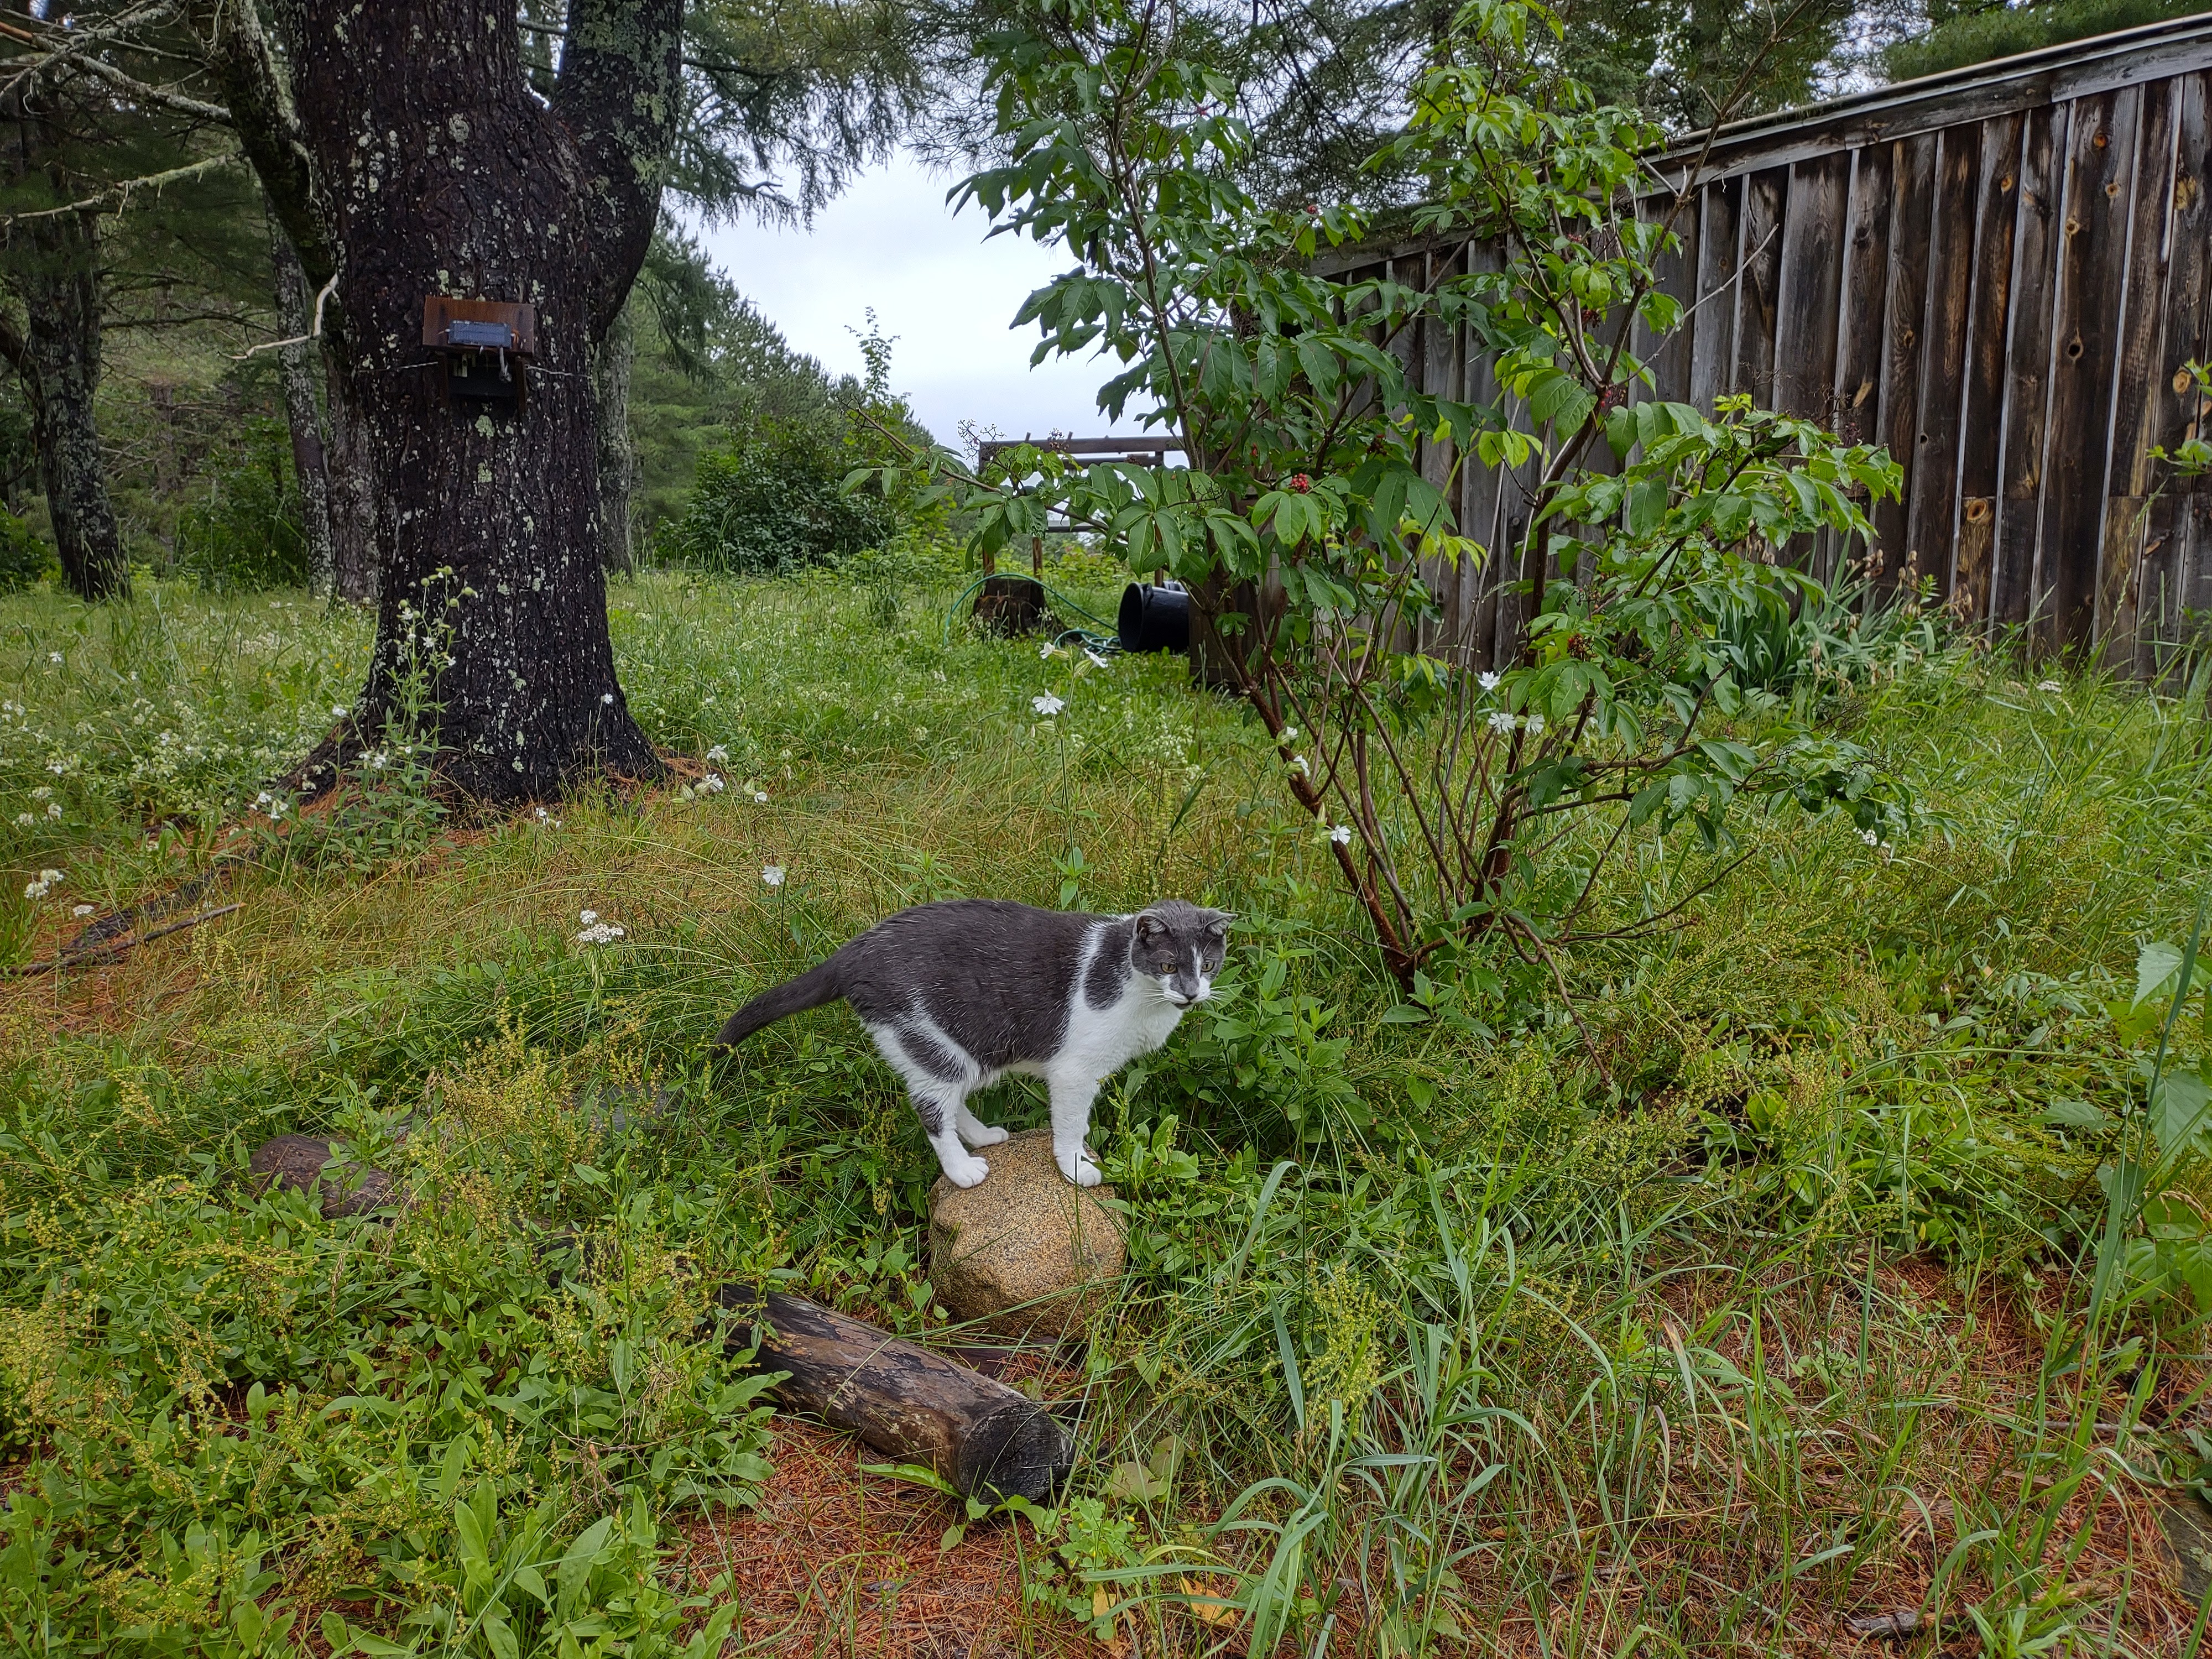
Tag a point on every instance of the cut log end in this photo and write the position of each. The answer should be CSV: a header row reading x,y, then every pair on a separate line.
x,y
1017,1450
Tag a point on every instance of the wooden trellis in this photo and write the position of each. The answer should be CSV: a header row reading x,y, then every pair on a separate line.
x,y
1998,273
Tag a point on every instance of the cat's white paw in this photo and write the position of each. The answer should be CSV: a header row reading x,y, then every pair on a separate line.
x,y
1079,1169
965,1171
984,1135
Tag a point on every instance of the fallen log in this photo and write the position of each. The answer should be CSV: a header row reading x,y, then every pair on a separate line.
x,y
988,1440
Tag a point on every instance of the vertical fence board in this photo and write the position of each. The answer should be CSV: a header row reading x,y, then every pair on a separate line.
x,y
1766,201
2185,240
1480,491
1997,201
1806,309
1929,519
2093,256
1913,197
1866,277
1443,373
2136,409
1713,350
2027,365
1675,274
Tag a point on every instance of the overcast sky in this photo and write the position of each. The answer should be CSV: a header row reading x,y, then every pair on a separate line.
x,y
945,294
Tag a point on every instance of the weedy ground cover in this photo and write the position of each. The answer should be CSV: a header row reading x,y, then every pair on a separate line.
x,y
1730,1283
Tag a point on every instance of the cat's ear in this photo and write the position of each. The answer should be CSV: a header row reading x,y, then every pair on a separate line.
x,y
1149,926
1217,922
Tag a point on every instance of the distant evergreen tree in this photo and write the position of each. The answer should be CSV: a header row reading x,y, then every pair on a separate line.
x,y
1953,34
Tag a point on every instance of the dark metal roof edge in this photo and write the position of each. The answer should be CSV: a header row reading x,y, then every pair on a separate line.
x,y
2074,56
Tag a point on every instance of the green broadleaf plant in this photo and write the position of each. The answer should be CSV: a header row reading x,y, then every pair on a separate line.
x,y
1320,478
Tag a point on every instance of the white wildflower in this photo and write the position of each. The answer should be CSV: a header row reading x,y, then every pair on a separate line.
x,y
1872,838
606,697
1096,662
544,816
2049,685
1341,834
1047,705
338,711
53,809
712,783
1290,735
587,917
1299,765
1502,721
44,792
1488,681
53,656
759,797
718,753
1046,651
772,874
1535,725
47,881
599,933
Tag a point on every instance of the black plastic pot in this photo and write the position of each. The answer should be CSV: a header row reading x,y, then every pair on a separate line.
x,y
1154,619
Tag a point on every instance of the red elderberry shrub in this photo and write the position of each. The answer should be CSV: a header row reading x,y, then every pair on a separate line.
x,y
1300,483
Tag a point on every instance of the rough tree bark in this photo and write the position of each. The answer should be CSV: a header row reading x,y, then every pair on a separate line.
x,y
295,371
618,465
53,263
60,283
421,164
353,494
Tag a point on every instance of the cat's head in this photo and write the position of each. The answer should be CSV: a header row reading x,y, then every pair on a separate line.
x,y
1181,946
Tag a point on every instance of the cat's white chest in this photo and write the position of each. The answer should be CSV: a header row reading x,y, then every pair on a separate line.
x,y
1099,1040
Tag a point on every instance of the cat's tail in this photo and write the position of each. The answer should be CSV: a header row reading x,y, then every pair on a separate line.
x,y
817,985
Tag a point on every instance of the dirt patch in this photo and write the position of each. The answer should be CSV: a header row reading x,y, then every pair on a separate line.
x,y
835,1560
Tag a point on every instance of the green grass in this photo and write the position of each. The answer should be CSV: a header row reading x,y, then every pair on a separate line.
x,y
1746,1296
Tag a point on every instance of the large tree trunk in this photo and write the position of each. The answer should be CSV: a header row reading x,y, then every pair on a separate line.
x,y
295,370
53,261
439,173
618,466
60,280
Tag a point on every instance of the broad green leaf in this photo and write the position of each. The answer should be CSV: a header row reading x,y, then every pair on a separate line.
x,y
2156,965
2177,1109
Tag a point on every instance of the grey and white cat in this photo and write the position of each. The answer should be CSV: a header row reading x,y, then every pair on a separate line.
x,y
958,994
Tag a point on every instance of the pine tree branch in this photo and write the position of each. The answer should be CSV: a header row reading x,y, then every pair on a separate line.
x,y
619,94
246,71
131,86
115,196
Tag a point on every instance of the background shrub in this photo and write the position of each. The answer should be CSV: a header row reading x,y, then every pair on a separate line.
x,y
247,532
771,501
24,558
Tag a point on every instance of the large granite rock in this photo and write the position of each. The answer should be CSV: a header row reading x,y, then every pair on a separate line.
x,y
297,1161
1026,1253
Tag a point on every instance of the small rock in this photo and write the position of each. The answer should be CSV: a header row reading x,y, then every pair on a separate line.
x,y
2185,1525
297,1161
1026,1252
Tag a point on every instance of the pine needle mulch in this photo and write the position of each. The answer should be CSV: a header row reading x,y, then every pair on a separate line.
x,y
835,1561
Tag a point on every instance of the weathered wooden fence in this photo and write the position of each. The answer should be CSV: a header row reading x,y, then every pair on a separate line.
x,y
1999,274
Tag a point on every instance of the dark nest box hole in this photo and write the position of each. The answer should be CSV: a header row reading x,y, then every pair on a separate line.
x,y
485,344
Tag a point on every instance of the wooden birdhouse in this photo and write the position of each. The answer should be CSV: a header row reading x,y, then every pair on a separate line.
x,y
486,345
